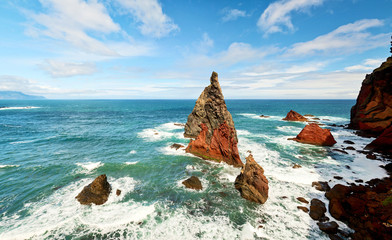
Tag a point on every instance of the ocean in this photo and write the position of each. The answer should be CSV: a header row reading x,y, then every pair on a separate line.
x,y
51,149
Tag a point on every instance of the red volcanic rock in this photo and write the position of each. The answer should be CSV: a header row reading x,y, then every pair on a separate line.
x,y
251,183
96,192
211,126
382,143
367,209
313,134
317,209
372,112
294,116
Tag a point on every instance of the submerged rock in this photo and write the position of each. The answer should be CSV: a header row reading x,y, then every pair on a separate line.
x,y
251,183
372,112
294,116
211,126
193,183
96,192
321,186
313,134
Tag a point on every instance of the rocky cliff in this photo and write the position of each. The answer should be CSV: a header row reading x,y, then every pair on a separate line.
x,y
372,112
212,128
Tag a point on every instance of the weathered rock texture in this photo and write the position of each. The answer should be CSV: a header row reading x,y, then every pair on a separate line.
x,y
382,143
313,134
294,116
372,112
251,183
211,126
193,183
96,192
367,209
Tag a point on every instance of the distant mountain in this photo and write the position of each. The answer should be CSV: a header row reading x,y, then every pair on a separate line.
x,y
13,95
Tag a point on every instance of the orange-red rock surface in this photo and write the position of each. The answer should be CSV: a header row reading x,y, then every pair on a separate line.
x,y
294,116
372,112
211,126
314,134
251,183
382,143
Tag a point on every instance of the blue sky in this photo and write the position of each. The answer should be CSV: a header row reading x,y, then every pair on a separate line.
x,y
167,49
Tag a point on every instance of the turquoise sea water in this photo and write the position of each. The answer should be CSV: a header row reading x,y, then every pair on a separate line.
x,y
51,149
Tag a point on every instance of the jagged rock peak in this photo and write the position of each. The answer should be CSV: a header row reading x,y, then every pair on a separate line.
x,y
211,126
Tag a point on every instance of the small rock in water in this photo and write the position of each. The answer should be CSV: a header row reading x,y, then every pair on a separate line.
x,y
339,150
305,209
348,142
371,156
348,167
338,177
321,186
193,183
297,166
118,192
317,209
328,227
176,146
350,148
96,192
263,116
301,199
359,181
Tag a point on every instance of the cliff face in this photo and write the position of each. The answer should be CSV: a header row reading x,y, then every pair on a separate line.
x,y
212,127
372,112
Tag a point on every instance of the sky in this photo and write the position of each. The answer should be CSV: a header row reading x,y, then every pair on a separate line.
x,y
167,49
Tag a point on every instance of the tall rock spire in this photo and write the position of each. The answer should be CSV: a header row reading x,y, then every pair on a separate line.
x,y
212,128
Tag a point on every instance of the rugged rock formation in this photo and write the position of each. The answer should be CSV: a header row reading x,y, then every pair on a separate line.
x,y
382,143
367,209
96,192
294,116
251,183
317,209
372,112
212,127
193,183
313,134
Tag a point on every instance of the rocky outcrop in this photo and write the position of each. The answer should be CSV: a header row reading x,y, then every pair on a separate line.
x,y
211,127
294,116
367,209
313,134
96,192
372,112
193,183
251,183
317,209
382,143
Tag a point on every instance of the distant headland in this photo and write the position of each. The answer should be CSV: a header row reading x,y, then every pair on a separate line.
x,y
14,95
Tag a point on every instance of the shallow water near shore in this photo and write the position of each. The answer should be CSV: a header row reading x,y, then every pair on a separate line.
x,y
51,149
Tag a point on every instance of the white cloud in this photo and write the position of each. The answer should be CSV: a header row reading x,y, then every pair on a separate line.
x,y
149,12
367,65
232,14
277,16
70,20
345,39
58,68
237,52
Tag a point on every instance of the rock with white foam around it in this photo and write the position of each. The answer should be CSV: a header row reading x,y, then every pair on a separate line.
x,y
96,192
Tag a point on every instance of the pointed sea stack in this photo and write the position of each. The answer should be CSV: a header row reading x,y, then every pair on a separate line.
x,y
96,192
212,128
294,116
372,112
251,183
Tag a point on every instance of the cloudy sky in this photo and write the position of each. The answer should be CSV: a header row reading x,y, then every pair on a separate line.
x,y
167,49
